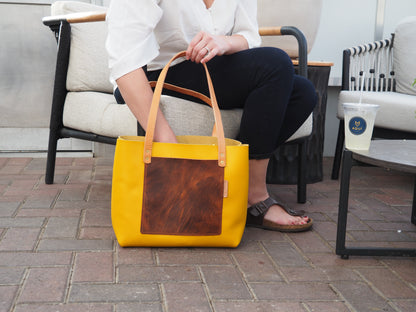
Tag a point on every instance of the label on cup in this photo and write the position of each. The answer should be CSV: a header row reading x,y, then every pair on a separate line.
x,y
357,125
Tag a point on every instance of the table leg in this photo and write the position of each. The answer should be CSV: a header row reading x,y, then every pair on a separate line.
x,y
414,204
341,249
343,203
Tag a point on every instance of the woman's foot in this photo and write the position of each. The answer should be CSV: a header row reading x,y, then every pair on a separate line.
x,y
278,215
265,212
271,215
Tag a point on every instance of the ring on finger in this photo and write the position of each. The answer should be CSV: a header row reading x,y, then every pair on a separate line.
x,y
208,50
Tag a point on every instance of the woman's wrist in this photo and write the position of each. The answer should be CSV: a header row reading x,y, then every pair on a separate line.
x,y
235,43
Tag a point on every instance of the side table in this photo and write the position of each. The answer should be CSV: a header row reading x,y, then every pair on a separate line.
x,y
391,154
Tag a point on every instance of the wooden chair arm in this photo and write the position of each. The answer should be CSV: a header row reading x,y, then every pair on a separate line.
x,y
270,31
81,17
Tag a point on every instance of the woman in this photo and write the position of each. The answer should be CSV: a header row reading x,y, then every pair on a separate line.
x,y
144,35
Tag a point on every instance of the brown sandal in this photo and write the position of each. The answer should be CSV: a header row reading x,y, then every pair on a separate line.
x,y
256,213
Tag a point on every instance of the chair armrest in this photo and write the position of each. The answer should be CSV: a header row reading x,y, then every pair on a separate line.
x,y
302,43
81,17
55,21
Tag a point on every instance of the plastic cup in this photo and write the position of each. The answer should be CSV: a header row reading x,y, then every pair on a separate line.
x,y
359,125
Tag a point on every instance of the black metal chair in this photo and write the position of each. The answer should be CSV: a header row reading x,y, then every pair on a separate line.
x,y
376,64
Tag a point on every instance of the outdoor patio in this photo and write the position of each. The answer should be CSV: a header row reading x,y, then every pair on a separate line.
x,y
58,251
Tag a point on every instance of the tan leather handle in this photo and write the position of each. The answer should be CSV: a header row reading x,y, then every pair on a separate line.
x,y
151,122
190,92
186,91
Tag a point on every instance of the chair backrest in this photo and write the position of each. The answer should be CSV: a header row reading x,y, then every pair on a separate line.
x,y
404,56
370,67
303,14
88,61
389,64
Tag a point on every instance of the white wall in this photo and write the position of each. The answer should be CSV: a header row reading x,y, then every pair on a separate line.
x,y
342,26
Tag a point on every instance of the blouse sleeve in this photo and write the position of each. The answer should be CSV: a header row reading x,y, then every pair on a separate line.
x,y
246,22
131,42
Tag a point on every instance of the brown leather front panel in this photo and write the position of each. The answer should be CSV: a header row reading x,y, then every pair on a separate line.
x,y
182,197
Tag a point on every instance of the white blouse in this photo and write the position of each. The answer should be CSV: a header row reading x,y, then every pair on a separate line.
x,y
150,32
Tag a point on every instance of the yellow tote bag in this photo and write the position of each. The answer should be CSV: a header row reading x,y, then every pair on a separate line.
x,y
191,193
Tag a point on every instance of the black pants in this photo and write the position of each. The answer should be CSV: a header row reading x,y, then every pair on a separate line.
x,y
275,101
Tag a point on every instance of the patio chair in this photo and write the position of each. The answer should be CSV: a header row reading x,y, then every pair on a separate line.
x,y
390,70
84,107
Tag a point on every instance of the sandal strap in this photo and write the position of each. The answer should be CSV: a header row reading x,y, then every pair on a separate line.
x,y
291,211
261,208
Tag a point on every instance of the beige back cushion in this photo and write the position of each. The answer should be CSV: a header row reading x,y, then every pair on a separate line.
x,y
88,63
303,14
404,56
88,60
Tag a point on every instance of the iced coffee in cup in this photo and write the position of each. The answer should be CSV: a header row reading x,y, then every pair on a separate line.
x,y
359,123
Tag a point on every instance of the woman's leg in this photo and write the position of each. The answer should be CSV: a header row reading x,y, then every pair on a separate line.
x,y
257,192
301,104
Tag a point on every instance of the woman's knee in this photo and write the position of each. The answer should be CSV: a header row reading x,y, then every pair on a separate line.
x,y
308,87
274,57
273,64
272,54
306,92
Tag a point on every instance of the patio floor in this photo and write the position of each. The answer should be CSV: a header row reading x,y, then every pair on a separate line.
x,y
58,251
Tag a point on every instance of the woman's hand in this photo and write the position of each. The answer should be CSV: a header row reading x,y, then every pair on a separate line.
x,y
204,46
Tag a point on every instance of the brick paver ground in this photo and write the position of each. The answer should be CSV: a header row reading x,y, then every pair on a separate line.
x,y
58,251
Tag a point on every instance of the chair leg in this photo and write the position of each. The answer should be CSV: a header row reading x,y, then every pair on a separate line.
x,y
413,219
338,151
343,205
302,173
51,159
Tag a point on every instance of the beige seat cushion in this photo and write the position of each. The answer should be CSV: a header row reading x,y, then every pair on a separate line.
x,y
304,131
99,113
397,110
